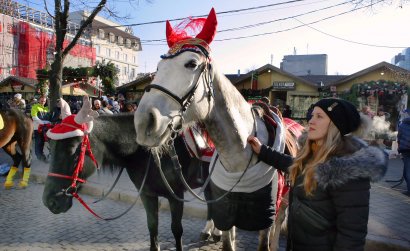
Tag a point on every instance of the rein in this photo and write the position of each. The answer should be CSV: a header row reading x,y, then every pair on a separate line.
x,y
71,191
178,169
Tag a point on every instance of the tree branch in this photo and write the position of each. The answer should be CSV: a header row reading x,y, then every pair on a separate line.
x,y
45,6
84,25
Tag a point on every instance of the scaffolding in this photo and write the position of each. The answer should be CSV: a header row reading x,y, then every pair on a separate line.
x,y
30,15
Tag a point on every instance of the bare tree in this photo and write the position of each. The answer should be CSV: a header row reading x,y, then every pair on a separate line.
x,y
61,14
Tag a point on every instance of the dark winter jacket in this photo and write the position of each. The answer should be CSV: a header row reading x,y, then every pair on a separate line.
x,y
403,136
341,199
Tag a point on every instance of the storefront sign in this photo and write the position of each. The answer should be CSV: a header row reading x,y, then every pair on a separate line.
x,y
284,85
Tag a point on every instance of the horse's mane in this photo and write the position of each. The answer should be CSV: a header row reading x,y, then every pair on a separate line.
x,y
115,135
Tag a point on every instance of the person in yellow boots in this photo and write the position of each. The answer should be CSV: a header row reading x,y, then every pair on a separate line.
x,y
9,179
24,181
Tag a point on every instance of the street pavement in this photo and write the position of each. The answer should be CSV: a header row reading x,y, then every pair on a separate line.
x,y
28,225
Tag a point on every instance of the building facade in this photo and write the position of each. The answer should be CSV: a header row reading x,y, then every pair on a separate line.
x,y
113,43
402,59
315,64
27,41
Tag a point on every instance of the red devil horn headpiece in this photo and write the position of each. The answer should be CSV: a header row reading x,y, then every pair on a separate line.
x,y
208,31
179,41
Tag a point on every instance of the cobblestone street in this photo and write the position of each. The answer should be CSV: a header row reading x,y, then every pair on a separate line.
x,y
28,225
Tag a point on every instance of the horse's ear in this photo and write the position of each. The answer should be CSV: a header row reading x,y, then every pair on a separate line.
x,y
170,32
209,30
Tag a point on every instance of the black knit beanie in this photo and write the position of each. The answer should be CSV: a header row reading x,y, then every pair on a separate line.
x,y
342,113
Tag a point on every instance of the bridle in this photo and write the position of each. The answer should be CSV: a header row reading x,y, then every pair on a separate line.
x,y
71,191
186,100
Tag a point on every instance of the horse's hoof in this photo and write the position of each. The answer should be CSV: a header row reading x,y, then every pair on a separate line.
x,y
216,238
204,236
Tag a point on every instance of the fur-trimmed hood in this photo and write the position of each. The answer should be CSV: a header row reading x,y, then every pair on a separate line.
x,y
367,162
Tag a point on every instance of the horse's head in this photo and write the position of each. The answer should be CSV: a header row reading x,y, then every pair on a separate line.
x,y
181,89
69,144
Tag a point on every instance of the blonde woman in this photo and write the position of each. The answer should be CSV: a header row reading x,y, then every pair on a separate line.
x,y
330,180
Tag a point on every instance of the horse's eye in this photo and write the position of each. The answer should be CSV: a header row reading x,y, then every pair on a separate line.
x,y
191,64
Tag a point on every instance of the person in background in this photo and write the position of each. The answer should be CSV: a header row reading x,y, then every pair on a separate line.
x,y
287,112
97,107
129,107
106,107
367,111
403,140
39,113
18,102
330,179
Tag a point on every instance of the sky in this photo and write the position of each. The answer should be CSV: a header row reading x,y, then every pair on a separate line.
x,y
352,41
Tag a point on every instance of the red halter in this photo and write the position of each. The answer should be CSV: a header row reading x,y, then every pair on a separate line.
x,y
72,189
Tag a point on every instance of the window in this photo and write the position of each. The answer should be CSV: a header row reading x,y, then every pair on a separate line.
x,y
108,52
101,34
125,70
132,75
134,59
125,57
117,55
128,43
98,49
112,37
120,40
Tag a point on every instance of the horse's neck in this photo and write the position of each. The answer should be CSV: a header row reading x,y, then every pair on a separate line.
x,y
114,133
229,125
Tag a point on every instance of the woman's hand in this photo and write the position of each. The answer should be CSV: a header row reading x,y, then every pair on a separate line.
x,y
255,144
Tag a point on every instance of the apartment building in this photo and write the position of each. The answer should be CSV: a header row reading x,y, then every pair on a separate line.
x,y
27,41
113,43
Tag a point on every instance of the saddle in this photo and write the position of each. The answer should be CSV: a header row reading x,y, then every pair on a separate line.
x,y
270,123
198,143
201,147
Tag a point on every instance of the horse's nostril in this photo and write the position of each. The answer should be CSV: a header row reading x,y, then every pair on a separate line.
x,y
152,121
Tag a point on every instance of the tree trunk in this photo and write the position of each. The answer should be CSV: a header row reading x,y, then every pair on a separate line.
x,y
56,80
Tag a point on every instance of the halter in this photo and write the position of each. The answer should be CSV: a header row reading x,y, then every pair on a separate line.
x,y
186,100
71,191
85,148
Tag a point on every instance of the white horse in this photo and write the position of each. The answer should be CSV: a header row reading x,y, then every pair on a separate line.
x,y
187,88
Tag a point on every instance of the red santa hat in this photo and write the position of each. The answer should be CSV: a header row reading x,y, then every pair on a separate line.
x,y
68,128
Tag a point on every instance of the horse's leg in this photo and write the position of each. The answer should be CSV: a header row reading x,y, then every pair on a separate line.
x,y
151,210
25,146
207,231
177,210
280,224
264,239
228,240
10,149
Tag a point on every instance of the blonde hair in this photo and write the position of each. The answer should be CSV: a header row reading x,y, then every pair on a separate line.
x,y
311,155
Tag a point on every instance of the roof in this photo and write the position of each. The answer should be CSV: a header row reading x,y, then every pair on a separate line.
x,y
140,80
268,67
373,68
27,81
107,28
233,77
326,80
